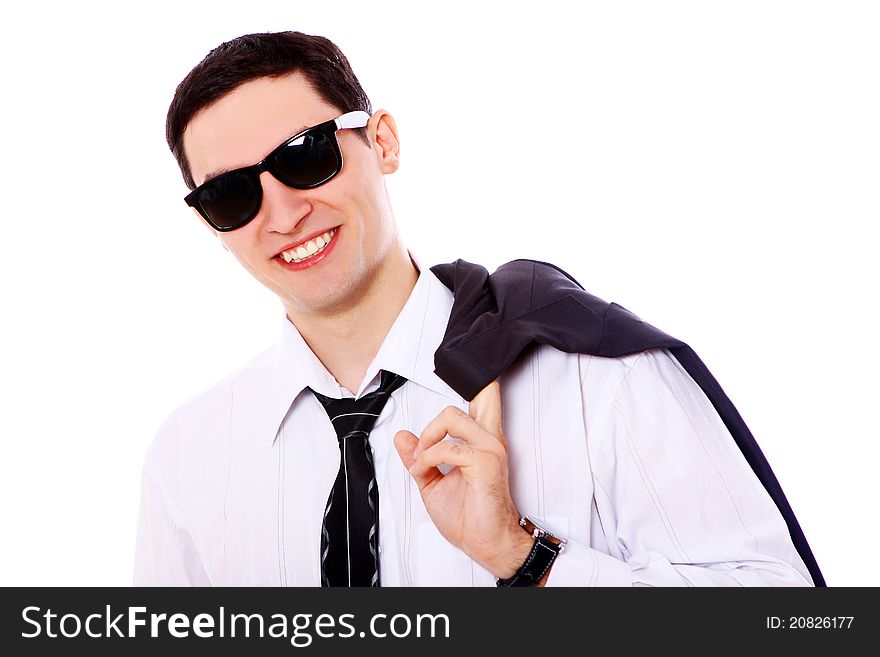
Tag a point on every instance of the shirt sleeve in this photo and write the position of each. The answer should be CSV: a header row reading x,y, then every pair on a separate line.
x,y
164,554
676,500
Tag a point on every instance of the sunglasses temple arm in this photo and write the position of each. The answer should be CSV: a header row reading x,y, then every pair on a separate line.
x,y
356,119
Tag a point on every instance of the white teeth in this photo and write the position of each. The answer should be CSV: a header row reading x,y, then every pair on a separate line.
x,y
308,249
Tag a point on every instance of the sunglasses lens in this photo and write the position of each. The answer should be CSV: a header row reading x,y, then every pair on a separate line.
x,y
230,199
308,161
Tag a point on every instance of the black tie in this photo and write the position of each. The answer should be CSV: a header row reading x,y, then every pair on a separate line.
x,y
350,531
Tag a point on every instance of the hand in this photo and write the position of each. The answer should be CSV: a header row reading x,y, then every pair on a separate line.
x,y
471,505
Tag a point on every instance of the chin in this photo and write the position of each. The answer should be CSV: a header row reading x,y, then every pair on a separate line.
x,y
321,299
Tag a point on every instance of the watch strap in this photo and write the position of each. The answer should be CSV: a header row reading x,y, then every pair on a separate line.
x,y
544,551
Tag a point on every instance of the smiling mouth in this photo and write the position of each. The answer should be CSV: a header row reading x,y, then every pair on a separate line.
x,y
308,249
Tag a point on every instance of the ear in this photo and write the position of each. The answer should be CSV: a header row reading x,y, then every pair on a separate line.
x,y
382,131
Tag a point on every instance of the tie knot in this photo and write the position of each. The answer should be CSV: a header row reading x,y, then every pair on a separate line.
x,y
353,418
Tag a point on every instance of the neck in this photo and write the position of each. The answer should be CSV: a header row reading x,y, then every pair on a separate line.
x,y
346,341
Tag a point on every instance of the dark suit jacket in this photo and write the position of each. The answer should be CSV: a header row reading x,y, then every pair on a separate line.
x,y
494,318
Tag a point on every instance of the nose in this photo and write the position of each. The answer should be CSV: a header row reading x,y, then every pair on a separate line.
x,y
283,207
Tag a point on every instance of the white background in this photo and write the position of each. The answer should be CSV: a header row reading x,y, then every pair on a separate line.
x,y
712,166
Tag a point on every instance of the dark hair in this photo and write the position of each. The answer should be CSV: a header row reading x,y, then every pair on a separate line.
x,y
252,56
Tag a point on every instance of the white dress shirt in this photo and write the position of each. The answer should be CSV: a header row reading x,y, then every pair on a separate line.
x,y
624,457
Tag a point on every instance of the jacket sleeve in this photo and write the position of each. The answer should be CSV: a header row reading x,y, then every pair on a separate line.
x,y
165,554
677,503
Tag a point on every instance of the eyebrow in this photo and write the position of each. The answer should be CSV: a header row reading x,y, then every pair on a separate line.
x,y
220,172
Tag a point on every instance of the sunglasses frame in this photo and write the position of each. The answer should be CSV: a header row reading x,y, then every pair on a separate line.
x,y
356,119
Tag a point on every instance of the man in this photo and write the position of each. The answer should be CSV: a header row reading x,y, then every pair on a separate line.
x,y
622,461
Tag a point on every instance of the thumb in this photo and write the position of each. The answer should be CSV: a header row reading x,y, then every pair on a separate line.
x,y
485,408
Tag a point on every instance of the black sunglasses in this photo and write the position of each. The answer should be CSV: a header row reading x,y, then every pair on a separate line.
x,y
306,160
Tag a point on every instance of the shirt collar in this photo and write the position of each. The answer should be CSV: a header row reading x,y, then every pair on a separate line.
x,y
408,350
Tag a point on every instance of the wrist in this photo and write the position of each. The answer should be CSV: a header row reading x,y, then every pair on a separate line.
x,y
512,554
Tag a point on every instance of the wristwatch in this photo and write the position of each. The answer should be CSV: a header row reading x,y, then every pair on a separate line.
x,y
541,557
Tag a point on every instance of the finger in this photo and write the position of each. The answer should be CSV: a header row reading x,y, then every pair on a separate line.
x,y
455,422
447,452
485,408
406,442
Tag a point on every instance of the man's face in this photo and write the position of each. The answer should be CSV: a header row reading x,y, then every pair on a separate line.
x,y
240,129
